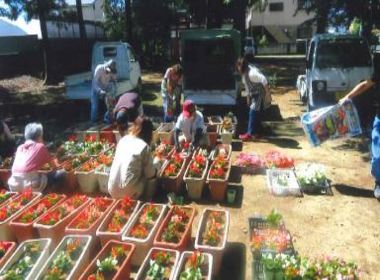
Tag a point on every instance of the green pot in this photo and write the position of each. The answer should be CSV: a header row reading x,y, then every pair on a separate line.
x,y
231,195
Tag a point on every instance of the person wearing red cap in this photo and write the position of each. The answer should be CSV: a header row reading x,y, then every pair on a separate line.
x,y
191,123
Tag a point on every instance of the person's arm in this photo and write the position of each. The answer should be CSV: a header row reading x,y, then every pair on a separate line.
x,y
177,131
357,90
150,171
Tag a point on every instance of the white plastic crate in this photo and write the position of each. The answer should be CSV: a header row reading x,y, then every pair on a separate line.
x,y
282,182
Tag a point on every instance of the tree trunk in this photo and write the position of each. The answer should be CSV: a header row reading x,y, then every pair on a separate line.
x,y
128,21
82,28
45,41
323,8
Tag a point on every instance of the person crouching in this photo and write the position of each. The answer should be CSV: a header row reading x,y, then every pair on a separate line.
x,y
31,157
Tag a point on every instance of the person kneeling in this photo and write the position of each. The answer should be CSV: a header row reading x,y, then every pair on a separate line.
x,y
31,157
132,168
191,123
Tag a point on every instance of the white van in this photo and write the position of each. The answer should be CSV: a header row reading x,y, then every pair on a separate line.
x,y
78,86
334,65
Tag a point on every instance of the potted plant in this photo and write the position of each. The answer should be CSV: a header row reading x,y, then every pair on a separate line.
x,y
5,196
227,129
222,151
6,250
112,263
117,220
165,132
22,224
53,223
103,171
70,165
212,235
10,210
158,264
163,150
87,179
27,260
175,231
88,220
275,159
218,178
143,228
194,266
68,260
172,173
312,177
250,163
272,265
195,176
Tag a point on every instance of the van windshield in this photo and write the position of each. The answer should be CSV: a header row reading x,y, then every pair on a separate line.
x,y
342,53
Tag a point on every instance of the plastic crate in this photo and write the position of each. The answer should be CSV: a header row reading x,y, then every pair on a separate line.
x,y
288,186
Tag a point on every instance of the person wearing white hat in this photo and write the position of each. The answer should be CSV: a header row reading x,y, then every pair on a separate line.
x,y
104,84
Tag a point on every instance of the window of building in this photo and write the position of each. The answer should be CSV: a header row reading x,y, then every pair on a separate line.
x,y
276,7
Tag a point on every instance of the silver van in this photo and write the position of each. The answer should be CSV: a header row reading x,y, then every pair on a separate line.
x,y
335,63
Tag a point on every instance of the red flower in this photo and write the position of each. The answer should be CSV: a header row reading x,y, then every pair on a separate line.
x,y
90,138
72,138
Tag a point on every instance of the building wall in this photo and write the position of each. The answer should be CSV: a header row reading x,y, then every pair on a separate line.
x,y
285,17
92,12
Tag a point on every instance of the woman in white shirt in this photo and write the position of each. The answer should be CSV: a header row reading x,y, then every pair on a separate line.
x,y
133,165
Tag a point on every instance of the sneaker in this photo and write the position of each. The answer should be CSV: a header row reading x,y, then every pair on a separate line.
x,y
376,191
245,137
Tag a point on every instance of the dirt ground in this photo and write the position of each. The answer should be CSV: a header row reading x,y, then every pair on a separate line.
x,y
345,224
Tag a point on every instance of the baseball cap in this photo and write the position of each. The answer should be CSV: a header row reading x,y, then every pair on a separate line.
x,y
188,107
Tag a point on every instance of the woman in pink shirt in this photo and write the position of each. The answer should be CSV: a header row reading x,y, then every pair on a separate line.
x,y
31,157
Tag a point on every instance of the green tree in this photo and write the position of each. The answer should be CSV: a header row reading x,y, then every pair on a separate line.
x,y
355,26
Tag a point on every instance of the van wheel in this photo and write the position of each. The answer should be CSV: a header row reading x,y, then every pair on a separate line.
x,y
139,87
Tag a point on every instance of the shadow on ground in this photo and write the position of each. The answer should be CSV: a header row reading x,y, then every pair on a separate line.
x,y
354,191
233,263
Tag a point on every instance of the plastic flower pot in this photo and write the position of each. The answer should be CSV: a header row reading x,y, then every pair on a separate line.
x,y
206,268
78,265
185,236
91,228
143,244
172,183
231,195
9,251
212,132
106,134
142,273
218,187
124,267
165,132
216,250
226,136
6,233
88,181
194,185
56,231
25,230
102,179
222,150
45,244
106,235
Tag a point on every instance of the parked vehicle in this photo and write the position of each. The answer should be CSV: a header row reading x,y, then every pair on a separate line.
x,y
208,61
335,63
78,86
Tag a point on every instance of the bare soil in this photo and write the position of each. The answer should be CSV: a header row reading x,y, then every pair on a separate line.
x,y
345,224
